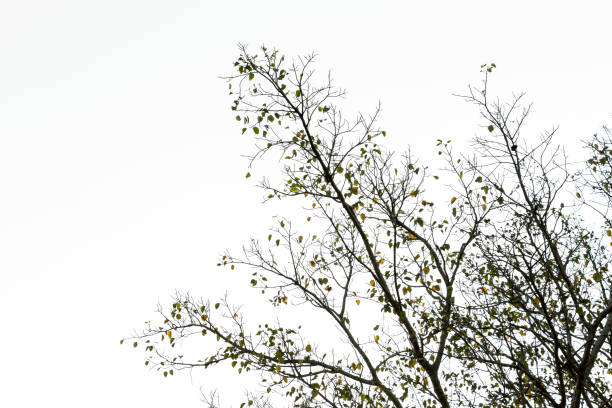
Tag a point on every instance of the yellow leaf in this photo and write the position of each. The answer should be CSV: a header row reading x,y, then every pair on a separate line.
x,y
484,206
414,193
278,369
376,338
358,301
372,283
169,333
461,175
411,236
308,348
307,218
300,238
362,216
609,233
426,269
382,261
453,200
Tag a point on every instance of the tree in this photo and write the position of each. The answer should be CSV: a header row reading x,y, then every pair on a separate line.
x,y
497,294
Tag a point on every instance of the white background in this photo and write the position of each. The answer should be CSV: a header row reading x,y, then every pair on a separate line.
x,y
120,171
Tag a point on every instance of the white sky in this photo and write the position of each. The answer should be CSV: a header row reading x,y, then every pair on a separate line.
x,y
120,171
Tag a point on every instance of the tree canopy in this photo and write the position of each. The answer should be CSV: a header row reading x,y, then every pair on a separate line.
x,y
488,278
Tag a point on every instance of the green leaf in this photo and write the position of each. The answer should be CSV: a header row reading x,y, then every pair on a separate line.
x,y
491,128
217,305
248,175
256,130
298,93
